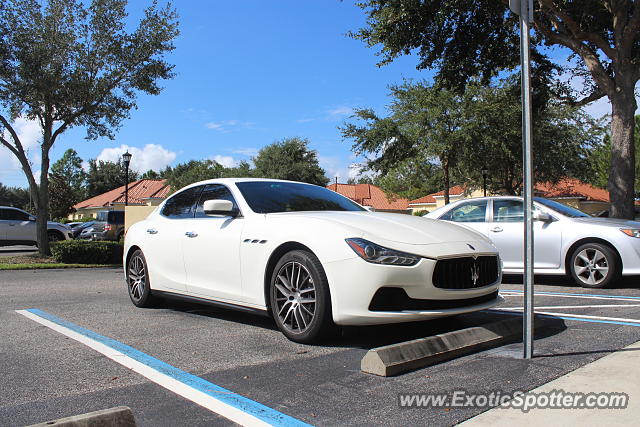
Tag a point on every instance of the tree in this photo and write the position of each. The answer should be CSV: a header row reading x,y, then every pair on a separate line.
x,y
64,64
411,179
184,174
289,159
462,133
104,176
16,197
600,159
463,39
66,184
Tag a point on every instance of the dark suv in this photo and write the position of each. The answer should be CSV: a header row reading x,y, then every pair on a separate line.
x,y
109,225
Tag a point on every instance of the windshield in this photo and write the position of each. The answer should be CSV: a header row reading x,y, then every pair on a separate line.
x,y
272,197
561,209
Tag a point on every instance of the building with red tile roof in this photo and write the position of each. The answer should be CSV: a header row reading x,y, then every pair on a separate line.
x,y
370,195
144,192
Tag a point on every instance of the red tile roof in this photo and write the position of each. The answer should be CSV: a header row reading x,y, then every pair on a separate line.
x,y
370,195
571,187
138,191
431,198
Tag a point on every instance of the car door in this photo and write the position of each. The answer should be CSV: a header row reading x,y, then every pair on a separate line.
x,y
212,249
472,214
19,226
506,230
4,224
165,240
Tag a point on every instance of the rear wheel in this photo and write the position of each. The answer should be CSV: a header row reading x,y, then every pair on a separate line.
x,y
300,299
594,265
138,283
54,236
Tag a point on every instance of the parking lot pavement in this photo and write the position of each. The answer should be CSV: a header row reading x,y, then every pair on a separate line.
x,y
17,250
48,375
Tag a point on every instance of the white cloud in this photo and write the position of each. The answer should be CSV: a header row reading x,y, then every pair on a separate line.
x,y
342,110
226,161
225,125
335,167
246,151
30,136
152,156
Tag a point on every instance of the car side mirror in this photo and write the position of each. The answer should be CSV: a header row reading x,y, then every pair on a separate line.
x,y
219,207
541,216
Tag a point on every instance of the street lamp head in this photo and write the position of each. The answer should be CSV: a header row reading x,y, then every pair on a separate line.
x,y
485,171
126,157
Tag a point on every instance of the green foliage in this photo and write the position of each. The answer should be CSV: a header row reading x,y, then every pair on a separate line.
x,y
87,252
600,160
16,197
291,159
66,184
421,212
104,176
412,178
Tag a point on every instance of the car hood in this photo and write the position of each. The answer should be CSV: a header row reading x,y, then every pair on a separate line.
x,y
400,228
608,222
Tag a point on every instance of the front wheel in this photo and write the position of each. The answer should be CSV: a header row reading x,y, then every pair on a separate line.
x,y
54,236
594,265
299,297
138,283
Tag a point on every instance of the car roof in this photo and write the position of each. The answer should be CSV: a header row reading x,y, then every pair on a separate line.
x,y
237,180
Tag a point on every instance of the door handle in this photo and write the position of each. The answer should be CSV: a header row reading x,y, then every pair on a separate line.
x,y
496,229
152,231
191,234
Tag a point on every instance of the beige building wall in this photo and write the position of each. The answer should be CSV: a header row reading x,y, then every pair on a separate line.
x,y
133,214
92,212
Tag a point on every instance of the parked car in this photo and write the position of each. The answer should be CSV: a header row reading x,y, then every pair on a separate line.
x,y
593,251
18,227
109,225
86,233
307,256
81,227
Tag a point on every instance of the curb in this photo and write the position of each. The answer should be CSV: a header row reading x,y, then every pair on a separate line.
x,y
406,356
120,416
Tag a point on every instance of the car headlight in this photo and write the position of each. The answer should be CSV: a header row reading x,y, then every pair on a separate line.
x,y
377,254
633,232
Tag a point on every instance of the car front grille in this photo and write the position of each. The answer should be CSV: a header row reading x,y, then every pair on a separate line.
x,y
466,272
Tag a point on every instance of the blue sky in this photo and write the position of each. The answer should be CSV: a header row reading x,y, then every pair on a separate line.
x,y
249,72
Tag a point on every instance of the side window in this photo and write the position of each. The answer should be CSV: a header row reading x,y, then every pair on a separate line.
x,y
211,192
508,211
2,215
182,204
14,215
467,212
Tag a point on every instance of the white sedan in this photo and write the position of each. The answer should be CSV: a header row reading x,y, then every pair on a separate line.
x,y
306,256
593,251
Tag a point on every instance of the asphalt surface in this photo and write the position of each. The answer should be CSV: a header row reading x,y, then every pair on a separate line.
x,y
46,375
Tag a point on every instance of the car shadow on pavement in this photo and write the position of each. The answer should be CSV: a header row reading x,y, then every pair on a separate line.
x,y
625,282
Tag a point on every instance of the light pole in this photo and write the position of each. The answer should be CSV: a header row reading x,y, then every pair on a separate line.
x,y
485,172
126,158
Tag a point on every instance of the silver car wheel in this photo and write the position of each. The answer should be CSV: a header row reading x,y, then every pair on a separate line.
x,y
295,295
591,266
137,278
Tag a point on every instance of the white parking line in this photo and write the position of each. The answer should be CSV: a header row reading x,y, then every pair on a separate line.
x,y
636,322
230,405
549,307
519,294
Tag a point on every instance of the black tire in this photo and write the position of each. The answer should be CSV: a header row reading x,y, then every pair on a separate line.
x,y
301,321
138,284
54,236
594,265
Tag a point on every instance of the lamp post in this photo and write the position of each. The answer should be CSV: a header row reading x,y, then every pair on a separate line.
x,y
126,158
485,172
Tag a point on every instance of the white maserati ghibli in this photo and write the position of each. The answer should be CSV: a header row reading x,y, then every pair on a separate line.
x,y
306,256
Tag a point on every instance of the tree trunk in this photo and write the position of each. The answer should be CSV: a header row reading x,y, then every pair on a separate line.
x,y
622,176
42,207
445,176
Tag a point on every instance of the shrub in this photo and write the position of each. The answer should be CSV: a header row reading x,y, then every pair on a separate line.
x,y
421,212
87,252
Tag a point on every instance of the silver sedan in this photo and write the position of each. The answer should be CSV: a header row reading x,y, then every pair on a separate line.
x,y
594,251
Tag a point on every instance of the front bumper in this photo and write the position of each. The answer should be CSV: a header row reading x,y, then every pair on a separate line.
x,y
354,283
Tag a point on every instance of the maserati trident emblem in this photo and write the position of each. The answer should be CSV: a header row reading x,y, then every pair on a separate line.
x,y
475,273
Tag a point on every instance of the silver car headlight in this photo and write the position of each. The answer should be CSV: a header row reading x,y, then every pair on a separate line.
x,y
377,254
633,232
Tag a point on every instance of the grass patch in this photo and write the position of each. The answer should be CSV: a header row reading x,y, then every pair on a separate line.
x,y
36,261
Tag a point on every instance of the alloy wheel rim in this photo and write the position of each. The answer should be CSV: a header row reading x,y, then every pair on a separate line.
x,y
295,296
137,278
591,266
